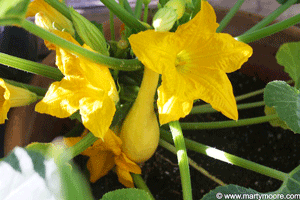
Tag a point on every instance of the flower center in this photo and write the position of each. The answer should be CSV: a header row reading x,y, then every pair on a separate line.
x,y
182,61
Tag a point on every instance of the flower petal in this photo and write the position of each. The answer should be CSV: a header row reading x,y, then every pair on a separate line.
x,y
126,164
62,98
124,177
4,101
97,113
99,164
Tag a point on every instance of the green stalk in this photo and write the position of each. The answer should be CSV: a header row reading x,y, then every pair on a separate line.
x,y
138,9
123,15
182,160
201,109
267,31
271,17
140,183
227,124
229,158
114,63
30,66
60,7
127,7
172,149
80,146
250,94
112,26
229,15
38,90
145,17
197,7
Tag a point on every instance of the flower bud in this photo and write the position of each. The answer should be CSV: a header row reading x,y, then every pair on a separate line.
x,y
89,33
12,96
140,130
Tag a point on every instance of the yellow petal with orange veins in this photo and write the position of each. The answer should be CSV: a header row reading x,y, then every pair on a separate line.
x,y
126,164
124,177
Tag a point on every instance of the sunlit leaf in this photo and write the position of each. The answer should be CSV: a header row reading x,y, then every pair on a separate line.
x,y
286,101
15,9
290,189
288,56
127,194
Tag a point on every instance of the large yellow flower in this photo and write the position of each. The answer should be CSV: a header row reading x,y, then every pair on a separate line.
x,y
104,155
12,96
193,62
87,87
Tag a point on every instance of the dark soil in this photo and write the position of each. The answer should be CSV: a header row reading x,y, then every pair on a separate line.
x,y
262,143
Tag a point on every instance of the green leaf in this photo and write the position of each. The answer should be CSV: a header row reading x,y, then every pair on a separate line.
x,y
275,122
286,101
288,56
15,9
288,190
127,194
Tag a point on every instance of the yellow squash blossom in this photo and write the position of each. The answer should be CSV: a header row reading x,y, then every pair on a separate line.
x,y
193,62
12,96
104,155
48,17
87,87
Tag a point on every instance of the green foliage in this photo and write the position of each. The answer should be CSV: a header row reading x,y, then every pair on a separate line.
x,y
127,194
89,33
286,101
290,186
275,122
288,56
15,9
284,1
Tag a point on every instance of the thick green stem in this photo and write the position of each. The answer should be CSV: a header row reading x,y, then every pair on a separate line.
x,y
227,124
140,183
38,90
114,63
229,15
30,66
80,146
271,17
145,18
60,7
182,160
128,19
172,149
138,9
267,31
205,109
229,158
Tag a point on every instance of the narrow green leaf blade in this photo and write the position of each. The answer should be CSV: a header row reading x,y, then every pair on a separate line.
x,y
127,194
13,9
288,56
286,101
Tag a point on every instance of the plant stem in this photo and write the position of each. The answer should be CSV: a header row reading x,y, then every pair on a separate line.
x,y
30,66
182,160
140,183
114,63
171,148
60,7
145,18
227,124
271,17
123,15
267,31
138,9
229,158
80,146
229,15
112,26
205,109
